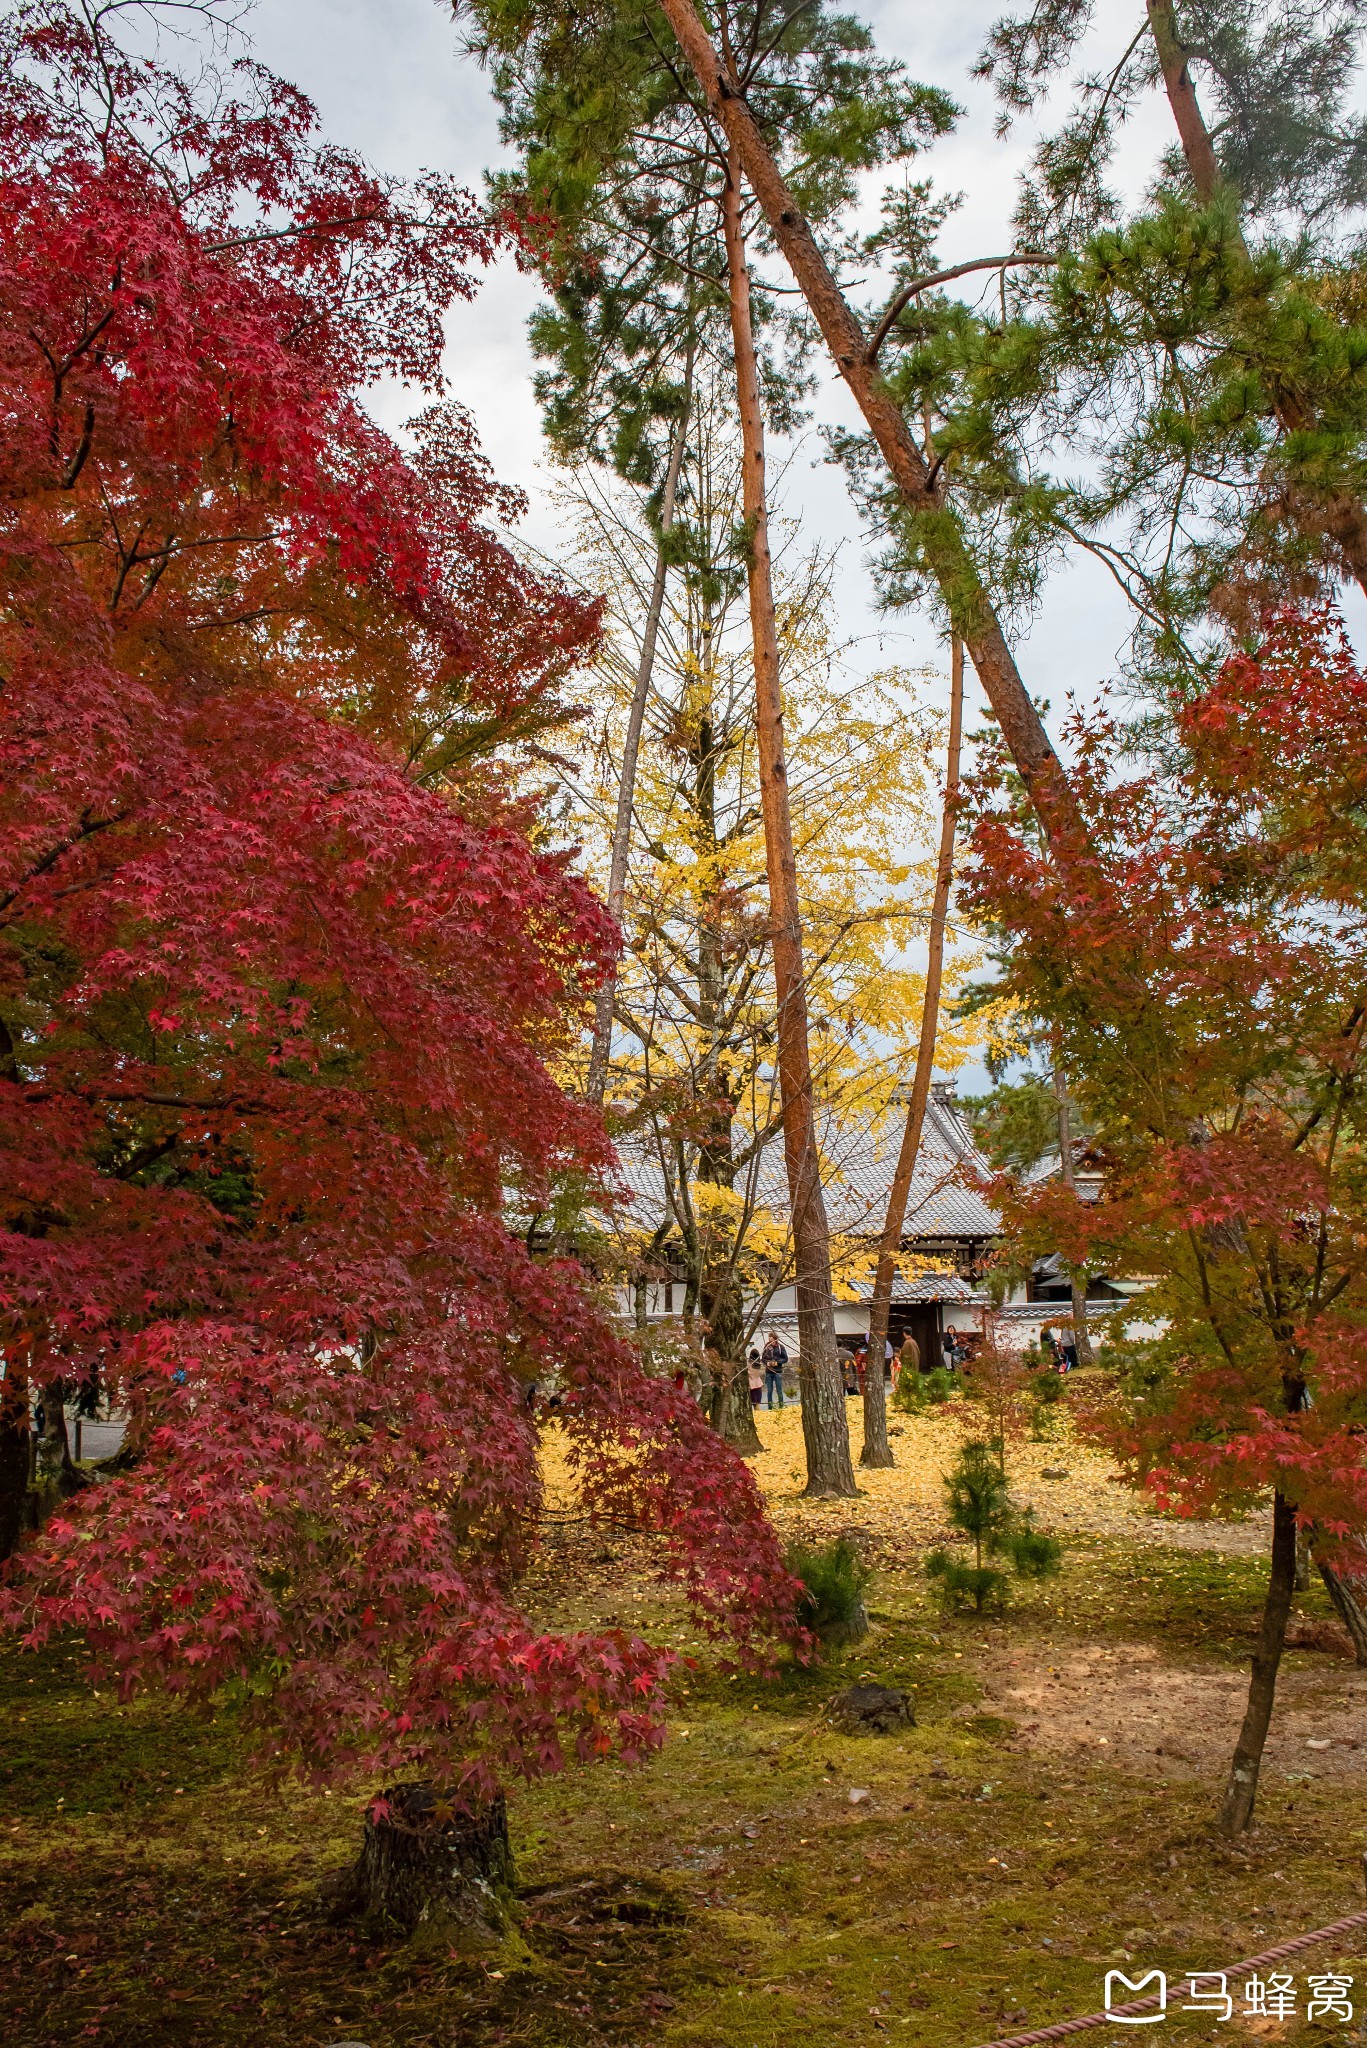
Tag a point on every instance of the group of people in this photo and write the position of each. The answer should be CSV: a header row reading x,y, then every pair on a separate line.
x,y
766,1367
904,1356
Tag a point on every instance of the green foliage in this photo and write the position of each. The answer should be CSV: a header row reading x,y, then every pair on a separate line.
x,y
960,1583
1182,394
1143,1366
1275,78
1047,1389
619,180
977,1500
1016,1123
833,1578
1033,1554
1048,1392
915,1390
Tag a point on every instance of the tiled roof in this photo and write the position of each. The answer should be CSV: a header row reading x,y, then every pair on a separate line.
x,y
857,1174
919,1287
1054,1311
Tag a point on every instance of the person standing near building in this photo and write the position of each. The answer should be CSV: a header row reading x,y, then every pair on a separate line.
x,y
774,1358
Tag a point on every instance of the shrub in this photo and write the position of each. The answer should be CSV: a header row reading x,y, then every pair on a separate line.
x,y
977,1499
961,1583
1034,1555
1047,1391
906,1395
980,1507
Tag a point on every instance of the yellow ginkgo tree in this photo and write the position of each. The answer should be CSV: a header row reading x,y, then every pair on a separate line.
x,y
692,1088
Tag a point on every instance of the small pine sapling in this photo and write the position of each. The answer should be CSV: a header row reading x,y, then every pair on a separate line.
x,y
980,1507
1033,1554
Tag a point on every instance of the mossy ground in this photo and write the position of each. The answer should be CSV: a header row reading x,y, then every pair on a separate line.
x,y
730,1894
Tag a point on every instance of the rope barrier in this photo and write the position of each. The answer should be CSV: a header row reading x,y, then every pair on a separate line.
x,y
1065,2028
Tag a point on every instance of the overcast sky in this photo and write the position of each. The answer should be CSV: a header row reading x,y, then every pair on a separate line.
x,y
389,80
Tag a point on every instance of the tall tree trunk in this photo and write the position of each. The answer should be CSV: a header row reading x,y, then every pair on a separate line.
x,y
631,748
1236,1809
1342,513
825,1429
876,1451
946,550
1082,1335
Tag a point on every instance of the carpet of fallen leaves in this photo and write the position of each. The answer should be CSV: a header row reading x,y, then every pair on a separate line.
x,y
769,1880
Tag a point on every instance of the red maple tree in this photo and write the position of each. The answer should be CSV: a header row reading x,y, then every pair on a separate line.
x,y
282,966
1204,970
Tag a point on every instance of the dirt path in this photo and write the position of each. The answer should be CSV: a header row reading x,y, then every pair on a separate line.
x,y
1130,1707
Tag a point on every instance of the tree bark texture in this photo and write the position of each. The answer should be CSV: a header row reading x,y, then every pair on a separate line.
x,y
1236,1809
423,1862
733,1414
1342,514
15,1457
825,1429
56,1467
1082,1336
876,1451
1197,147
631,749
969,606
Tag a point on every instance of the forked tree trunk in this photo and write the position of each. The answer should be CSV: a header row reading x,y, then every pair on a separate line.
x,y
946,550
732,1412
876,1451
16,1453
423,1864
1342,513
1236,1809
631,749
824,1427
1347,1596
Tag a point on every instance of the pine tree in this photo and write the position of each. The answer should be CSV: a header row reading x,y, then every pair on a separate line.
x,y
978,1504
636,173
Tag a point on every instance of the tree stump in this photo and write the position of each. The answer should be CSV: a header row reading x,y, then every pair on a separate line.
x,y
839,1635
424,1862
872,1709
